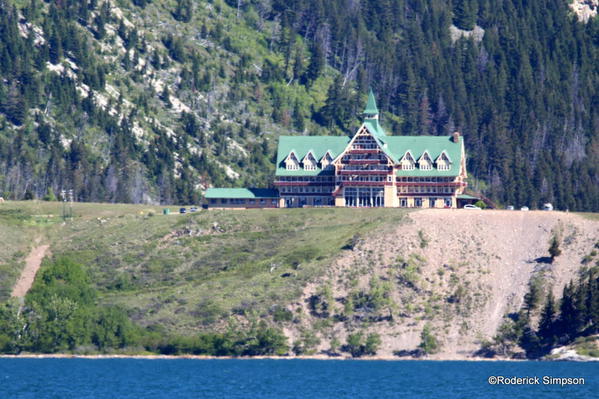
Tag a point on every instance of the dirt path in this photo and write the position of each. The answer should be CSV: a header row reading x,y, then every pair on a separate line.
x,y
32,264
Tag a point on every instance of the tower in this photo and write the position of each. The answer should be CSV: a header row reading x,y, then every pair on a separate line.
x,y
371,111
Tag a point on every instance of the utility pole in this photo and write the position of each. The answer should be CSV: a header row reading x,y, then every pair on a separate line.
x,y
67,196
63,195
71,200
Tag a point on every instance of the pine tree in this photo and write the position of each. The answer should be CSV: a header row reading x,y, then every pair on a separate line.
x,y
547,328
465,14
554,249
316,66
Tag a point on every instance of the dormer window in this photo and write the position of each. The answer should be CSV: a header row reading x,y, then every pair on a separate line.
x,y
292,163
309,162
327,161
425,162
407,162
443,162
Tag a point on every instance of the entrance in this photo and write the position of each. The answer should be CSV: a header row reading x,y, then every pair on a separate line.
x,y
364,197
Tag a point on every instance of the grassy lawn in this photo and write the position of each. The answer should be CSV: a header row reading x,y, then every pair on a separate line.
x,y
589,215
187,272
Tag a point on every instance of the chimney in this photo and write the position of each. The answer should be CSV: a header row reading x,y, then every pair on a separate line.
x,y
456,137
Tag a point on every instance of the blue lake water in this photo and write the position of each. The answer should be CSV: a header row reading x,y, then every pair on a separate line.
x,y
185,378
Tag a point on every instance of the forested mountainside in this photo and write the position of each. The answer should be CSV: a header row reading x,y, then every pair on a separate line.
x,y
151,101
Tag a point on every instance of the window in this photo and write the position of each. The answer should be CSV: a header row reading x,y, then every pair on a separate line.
x,y
425,162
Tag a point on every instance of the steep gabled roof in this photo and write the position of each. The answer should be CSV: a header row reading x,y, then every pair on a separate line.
x,y
310,152
444,152
375,128
434,145
301,145
425,152
408,151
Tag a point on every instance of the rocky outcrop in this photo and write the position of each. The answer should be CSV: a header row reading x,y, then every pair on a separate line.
x,y
585,9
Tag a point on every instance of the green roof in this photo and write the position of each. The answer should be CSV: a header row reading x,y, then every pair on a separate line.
x,y
302,145
375,128
241,193
467,197
394,146
434,145
371,108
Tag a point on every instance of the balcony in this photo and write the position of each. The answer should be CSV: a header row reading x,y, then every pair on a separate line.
x,y
431,184
363,183
364,151
375,161
302,183
363,172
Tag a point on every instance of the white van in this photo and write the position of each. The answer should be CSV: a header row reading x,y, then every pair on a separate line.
x,y
547,206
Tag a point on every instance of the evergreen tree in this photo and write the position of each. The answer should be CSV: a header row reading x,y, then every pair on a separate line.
x,y
316,66
547,328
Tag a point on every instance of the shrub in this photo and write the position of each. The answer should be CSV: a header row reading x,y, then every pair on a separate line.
x,y
281,314
554,249
373,341
355,344
481,204
423,239
307,343
428,342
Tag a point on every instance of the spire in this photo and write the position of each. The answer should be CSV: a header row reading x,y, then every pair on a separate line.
x,y
371,111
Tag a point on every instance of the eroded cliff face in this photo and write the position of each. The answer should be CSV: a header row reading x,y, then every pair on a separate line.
x,y
585,9
458,271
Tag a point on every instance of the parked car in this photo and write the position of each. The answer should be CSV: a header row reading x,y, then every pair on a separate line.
x,y
193,209
548,206
470,206
510,207
524,208
182,210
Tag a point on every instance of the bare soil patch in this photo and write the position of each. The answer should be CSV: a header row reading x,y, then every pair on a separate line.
x,y
32,265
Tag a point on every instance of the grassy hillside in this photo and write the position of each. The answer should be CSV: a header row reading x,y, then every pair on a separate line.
x,y
187,272
357,280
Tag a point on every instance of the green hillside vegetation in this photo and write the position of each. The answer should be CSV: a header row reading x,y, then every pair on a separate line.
x,y
165,280
150,101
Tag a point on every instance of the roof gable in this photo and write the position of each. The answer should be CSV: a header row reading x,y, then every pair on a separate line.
x,y
433,145
302,145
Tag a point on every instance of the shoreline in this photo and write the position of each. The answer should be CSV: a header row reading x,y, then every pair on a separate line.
x,y
203,357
